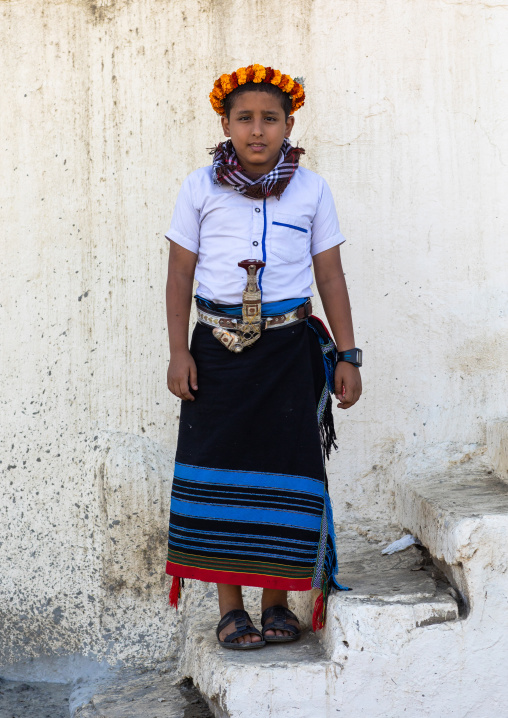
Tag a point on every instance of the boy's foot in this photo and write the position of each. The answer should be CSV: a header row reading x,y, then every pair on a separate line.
x,y
286,627
238,621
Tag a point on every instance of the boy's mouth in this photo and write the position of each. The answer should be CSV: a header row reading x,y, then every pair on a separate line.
x,y
257,146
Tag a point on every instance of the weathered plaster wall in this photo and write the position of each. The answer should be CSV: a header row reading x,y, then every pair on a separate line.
x,y
104,112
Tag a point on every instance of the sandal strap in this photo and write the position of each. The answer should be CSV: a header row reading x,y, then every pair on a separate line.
x,y
277,612
243,625
280,615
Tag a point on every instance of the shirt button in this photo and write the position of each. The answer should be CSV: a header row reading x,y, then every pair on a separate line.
x,y
255,243
257,209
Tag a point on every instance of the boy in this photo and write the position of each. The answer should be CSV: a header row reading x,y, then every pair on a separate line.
x,y
249,503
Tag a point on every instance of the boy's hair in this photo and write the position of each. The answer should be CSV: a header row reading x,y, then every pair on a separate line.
x,y
283,97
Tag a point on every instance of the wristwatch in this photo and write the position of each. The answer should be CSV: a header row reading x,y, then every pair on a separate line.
x,y
353,356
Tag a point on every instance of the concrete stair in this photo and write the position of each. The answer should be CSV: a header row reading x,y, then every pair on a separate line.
x,y
423,633
393,597
461,516
406,640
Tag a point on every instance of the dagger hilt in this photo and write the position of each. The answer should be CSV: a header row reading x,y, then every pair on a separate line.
x,y
249,330
251,266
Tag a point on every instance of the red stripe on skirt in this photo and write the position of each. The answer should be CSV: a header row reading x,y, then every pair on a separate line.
x,y
239,579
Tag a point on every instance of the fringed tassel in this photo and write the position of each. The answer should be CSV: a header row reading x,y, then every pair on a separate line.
x,y
327,429
175,592
319,614
330,569
318,617
330,362
331,562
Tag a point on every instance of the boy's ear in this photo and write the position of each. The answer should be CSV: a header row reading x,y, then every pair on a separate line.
x,y
289,125
225,126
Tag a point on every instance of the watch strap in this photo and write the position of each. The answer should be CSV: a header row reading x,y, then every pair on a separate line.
x,y
352,356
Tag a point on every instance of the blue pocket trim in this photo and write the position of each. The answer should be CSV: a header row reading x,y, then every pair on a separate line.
x,y
291,226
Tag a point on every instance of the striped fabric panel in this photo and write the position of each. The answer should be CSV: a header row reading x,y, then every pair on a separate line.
x,y
258,567
248,523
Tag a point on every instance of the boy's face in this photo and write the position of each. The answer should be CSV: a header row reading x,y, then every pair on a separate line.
x,y
257,128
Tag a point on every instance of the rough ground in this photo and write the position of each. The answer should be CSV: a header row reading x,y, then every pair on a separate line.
x,y
34,700
144,696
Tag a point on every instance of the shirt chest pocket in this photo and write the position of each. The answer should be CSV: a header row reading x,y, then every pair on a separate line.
x,y
289,237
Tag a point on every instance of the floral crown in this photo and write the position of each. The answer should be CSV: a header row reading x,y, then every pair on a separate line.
x,y
256,73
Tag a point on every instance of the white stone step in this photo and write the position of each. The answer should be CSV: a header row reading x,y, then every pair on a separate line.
x,y
393,597
390,605
272,681
461,516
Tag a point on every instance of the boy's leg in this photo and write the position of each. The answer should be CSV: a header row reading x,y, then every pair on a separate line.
x,y
230,598
271,597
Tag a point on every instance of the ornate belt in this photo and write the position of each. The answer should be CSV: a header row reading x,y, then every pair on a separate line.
x,y
214,319
248,327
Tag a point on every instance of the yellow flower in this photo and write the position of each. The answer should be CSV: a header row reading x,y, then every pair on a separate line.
x,y
259,73
241,75
225,81
286,83
276,77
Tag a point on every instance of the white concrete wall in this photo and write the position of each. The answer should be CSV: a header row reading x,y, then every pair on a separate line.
x,y
104,111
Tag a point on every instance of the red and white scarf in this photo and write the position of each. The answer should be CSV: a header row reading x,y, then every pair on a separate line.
x,y
227,170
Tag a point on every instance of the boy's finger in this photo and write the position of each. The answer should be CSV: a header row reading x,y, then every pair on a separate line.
x,y
350,398
339,392
184,391
347,395
174,388
194,378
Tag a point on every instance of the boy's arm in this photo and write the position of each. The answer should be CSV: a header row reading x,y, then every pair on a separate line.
x,y
333,292
182,373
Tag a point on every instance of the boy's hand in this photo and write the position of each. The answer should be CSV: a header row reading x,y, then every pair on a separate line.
x,y
182,375
348,384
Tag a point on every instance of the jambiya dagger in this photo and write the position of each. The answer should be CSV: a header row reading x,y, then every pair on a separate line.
x,y
249,330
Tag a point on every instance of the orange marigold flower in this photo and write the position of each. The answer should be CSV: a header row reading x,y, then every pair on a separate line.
x,y
256,73
276,77
216,104
297,105
286,83
226,84
218,93
259,73
269,74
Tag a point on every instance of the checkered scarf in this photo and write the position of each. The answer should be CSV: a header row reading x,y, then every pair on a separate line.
x,y
227,170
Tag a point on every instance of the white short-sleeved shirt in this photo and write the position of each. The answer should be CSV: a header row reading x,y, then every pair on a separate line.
x,y
223,227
